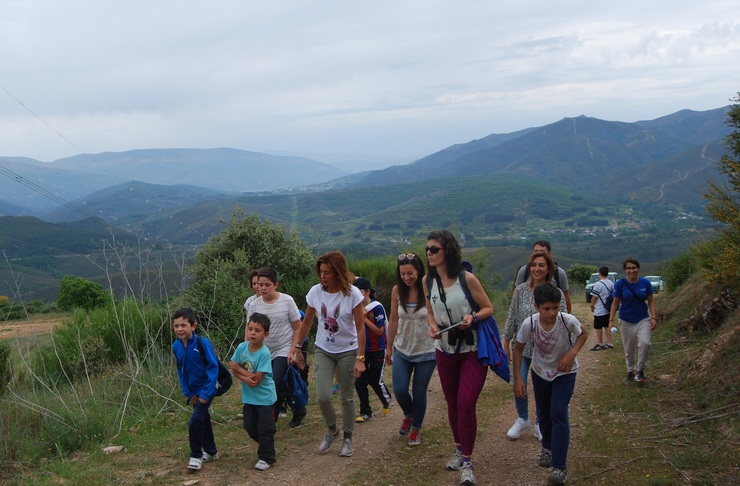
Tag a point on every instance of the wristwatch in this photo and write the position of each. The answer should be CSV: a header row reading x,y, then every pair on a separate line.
x,y
361,357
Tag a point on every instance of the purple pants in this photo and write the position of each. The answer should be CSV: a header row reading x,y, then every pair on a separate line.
x,y
462,377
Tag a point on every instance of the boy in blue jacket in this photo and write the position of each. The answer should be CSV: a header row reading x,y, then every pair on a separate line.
x,y
197,368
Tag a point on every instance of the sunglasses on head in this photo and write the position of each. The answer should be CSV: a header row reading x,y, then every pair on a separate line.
x,y
432,249
406,256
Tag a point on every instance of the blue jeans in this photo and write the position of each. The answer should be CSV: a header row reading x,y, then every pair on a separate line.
x,y
552,399
200,431
414,403
522,404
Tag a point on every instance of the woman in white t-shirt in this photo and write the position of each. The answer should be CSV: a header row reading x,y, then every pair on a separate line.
x,y
340,344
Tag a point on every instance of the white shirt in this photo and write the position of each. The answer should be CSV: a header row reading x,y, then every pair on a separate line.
x,y
550,346
336,331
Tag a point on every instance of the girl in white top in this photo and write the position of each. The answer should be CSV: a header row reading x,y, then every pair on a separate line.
x,y
461,373
410,349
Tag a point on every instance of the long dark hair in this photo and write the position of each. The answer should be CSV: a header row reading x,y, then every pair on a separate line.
x,y
453,253
403,289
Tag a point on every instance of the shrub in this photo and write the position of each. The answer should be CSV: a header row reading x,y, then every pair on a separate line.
x,y
77,292
580,273
680,269
5,366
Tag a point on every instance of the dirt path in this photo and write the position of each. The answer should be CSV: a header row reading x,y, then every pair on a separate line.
x,y
20,329
496,460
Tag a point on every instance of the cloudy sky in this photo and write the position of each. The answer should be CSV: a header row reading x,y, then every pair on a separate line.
x,y
385,78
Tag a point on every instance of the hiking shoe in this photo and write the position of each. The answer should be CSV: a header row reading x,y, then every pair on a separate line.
x,y
261,465
414,438
545,458
519,426
598,347
364,418
557,476
466,474
387,410
296,421
640,378
609,346
630,377
209,457
455,461
405,426
347,450
327,440
195,463
537,432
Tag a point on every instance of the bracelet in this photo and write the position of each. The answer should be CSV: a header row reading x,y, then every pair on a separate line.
x,y
299,346
475,317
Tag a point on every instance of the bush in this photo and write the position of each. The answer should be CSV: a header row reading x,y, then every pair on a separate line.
x,y
580,273
5,366
220,274
680,269
77,292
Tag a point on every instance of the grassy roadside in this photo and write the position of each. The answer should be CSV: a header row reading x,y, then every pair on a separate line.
x,y
679,427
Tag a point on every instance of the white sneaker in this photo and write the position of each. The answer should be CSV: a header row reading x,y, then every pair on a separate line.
x,y
519,426
347,450
195,463
466,475
209,458
261,465
455,461
537,432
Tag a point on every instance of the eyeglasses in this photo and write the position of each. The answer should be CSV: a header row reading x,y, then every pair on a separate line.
x,y
433,249
631,268
406,256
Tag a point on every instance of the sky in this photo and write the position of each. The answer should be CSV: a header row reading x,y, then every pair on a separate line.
x,y
383,80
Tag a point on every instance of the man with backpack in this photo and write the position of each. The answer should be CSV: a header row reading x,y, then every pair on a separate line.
x,y
601,303
560,277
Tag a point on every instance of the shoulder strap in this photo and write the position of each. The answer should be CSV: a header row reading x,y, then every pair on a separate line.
x,y
462,278
607,289
200,349
570,338
629,287
556,275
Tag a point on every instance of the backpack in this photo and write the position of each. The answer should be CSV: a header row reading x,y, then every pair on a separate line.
x,y
294,389
608,304
224,380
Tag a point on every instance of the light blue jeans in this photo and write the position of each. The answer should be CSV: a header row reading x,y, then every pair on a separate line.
x,y
522,404
415,402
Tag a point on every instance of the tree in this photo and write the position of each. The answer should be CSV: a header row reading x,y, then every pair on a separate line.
x,y
724,207
580,273
220,275
77,292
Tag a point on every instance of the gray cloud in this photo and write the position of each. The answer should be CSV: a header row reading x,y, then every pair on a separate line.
x,y
395,78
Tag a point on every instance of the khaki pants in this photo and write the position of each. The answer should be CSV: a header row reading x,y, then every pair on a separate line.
x,y
636,335
325,364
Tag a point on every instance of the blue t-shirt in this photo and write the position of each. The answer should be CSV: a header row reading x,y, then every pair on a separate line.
x,y
260,361
633,307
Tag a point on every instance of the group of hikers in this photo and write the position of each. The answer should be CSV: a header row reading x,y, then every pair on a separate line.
x,y
437,313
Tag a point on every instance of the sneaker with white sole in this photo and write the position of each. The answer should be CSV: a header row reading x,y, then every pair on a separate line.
x,y
261,465
405,426
195,463
455,461
537,432
414,437
327,441
209,457
466,475
519,426
347,450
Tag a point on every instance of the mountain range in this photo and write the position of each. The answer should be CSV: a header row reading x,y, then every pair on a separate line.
x,y
598,188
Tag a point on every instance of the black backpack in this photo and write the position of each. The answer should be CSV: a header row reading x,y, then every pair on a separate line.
x,y
608,304
224,380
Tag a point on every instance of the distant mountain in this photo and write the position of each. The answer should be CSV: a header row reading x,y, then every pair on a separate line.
x,y
35,188
224,169
612,158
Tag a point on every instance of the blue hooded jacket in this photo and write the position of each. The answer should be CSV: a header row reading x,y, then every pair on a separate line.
x,y
198,374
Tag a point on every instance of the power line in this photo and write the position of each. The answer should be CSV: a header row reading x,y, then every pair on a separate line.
x,y
40,190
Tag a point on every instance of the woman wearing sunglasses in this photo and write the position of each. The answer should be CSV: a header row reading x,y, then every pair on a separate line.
x,y
451,319
410,350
